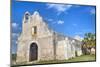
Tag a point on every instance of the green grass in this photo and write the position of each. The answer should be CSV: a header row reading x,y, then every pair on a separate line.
x,y
82,58
76,59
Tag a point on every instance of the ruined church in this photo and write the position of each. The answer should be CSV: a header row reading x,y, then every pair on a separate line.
x,y
38,42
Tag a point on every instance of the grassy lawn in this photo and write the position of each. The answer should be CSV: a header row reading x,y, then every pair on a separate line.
x,y
82,58
76,59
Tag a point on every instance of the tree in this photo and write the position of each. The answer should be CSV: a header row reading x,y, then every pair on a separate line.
x,y
89,41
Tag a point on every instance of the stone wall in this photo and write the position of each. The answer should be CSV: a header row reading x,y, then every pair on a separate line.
x,y
51,45
46,48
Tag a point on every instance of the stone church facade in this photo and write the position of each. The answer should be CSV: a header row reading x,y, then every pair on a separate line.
x,y
37,42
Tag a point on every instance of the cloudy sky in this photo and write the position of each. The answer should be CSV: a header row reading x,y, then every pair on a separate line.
x,y
68,19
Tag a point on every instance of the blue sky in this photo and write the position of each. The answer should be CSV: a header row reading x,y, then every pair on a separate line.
x,y
68,19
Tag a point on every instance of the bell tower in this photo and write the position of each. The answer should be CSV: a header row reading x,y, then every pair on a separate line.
x,y
35,23
26,21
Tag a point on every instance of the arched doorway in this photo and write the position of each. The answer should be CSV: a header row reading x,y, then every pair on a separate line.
x,y
33,52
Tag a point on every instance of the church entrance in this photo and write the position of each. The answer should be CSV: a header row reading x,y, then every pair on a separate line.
x,y
33,52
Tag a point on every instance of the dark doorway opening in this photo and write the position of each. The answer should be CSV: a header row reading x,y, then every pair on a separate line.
x,y
33,52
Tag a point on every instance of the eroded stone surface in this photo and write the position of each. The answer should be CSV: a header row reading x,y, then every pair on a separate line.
x,y
51,45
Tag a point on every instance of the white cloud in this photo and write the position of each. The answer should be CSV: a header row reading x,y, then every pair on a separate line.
x,y
14,42
15,34
59,7
60,22
56,21
74,24
79,33
92,11
50,19
14,25
77,37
